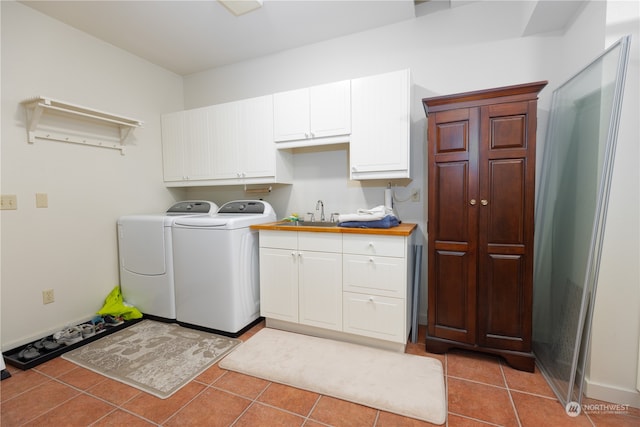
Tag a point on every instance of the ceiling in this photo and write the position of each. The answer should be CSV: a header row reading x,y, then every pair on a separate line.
x,y
191,36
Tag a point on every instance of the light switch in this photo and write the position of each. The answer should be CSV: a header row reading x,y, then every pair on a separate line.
x,y
42,200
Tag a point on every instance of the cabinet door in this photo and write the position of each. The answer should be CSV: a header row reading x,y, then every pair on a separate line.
x,y
224,119
330,109
279,284
291,115
320,287
256,149
375,316
173,146
380,119
452,225
507,179
197,140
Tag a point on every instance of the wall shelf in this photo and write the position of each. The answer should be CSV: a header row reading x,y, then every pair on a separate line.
x,y
37,109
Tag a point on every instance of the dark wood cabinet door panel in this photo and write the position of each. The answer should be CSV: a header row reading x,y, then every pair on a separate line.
x,y
451,210
503,217
503,303
454,316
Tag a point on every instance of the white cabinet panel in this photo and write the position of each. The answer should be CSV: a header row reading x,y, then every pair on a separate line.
x,y
186,145
291,115
374,316
330,109
279,284
320,288
369,244
173,151
378,275
380,139
256,149
316,115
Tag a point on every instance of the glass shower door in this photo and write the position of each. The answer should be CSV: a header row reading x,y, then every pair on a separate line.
x,y
570,216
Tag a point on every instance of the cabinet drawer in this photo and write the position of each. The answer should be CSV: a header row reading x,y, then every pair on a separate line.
x,y
278,239
385,276
374,316
321,242
375,245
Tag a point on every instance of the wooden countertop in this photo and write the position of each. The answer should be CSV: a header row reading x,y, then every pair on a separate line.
x,y
404,229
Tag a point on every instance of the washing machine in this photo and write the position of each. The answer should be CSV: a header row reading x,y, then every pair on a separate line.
x,y
146,257
216,267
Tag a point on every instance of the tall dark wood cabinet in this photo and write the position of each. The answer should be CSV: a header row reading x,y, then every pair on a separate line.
x,y
481,190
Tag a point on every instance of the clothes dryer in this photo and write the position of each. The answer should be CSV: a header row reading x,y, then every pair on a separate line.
x,y
216,267
146,257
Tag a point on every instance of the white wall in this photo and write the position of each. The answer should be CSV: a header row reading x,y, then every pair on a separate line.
x,y
71,245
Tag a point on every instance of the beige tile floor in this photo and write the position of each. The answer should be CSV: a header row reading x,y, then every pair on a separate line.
x,y
482,391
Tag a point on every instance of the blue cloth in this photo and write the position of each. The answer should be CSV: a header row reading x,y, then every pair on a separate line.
x,y
386,222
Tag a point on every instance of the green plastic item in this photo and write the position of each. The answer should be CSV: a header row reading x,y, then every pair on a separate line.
x,y
114,305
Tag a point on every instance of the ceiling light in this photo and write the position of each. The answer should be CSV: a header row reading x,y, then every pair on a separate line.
x,y
240,7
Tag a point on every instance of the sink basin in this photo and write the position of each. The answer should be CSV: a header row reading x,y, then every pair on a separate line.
x,y
309,224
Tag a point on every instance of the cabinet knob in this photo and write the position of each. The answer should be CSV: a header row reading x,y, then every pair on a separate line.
x,y
472,202
370,299
370,259
484,202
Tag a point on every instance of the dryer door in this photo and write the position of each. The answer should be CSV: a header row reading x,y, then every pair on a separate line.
x,y
142,242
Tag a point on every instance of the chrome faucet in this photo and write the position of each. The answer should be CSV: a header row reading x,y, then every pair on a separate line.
x,y
320,205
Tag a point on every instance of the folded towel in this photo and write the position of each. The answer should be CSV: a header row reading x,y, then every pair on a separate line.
x,y
386,222
375,214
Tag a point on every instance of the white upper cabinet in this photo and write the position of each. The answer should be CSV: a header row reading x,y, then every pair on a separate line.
x,y
380,115
185,148
223,144
313,116
241,146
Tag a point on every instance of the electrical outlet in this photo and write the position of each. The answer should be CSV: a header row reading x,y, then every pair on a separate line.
x,y
8,201
42,200
415,195
47,296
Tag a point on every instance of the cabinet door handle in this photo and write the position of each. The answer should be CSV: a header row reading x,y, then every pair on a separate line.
x,y
484,202
370,259
371,299
472,202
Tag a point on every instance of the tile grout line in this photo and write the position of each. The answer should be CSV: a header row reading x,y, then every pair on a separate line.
x,y
506,384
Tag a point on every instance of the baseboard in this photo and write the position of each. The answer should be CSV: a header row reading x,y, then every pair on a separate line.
x,y
609,393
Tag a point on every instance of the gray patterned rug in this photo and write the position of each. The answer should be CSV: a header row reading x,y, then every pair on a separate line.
x,y
158,358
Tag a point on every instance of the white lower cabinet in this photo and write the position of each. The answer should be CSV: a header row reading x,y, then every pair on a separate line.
x,y
353,284
301,278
